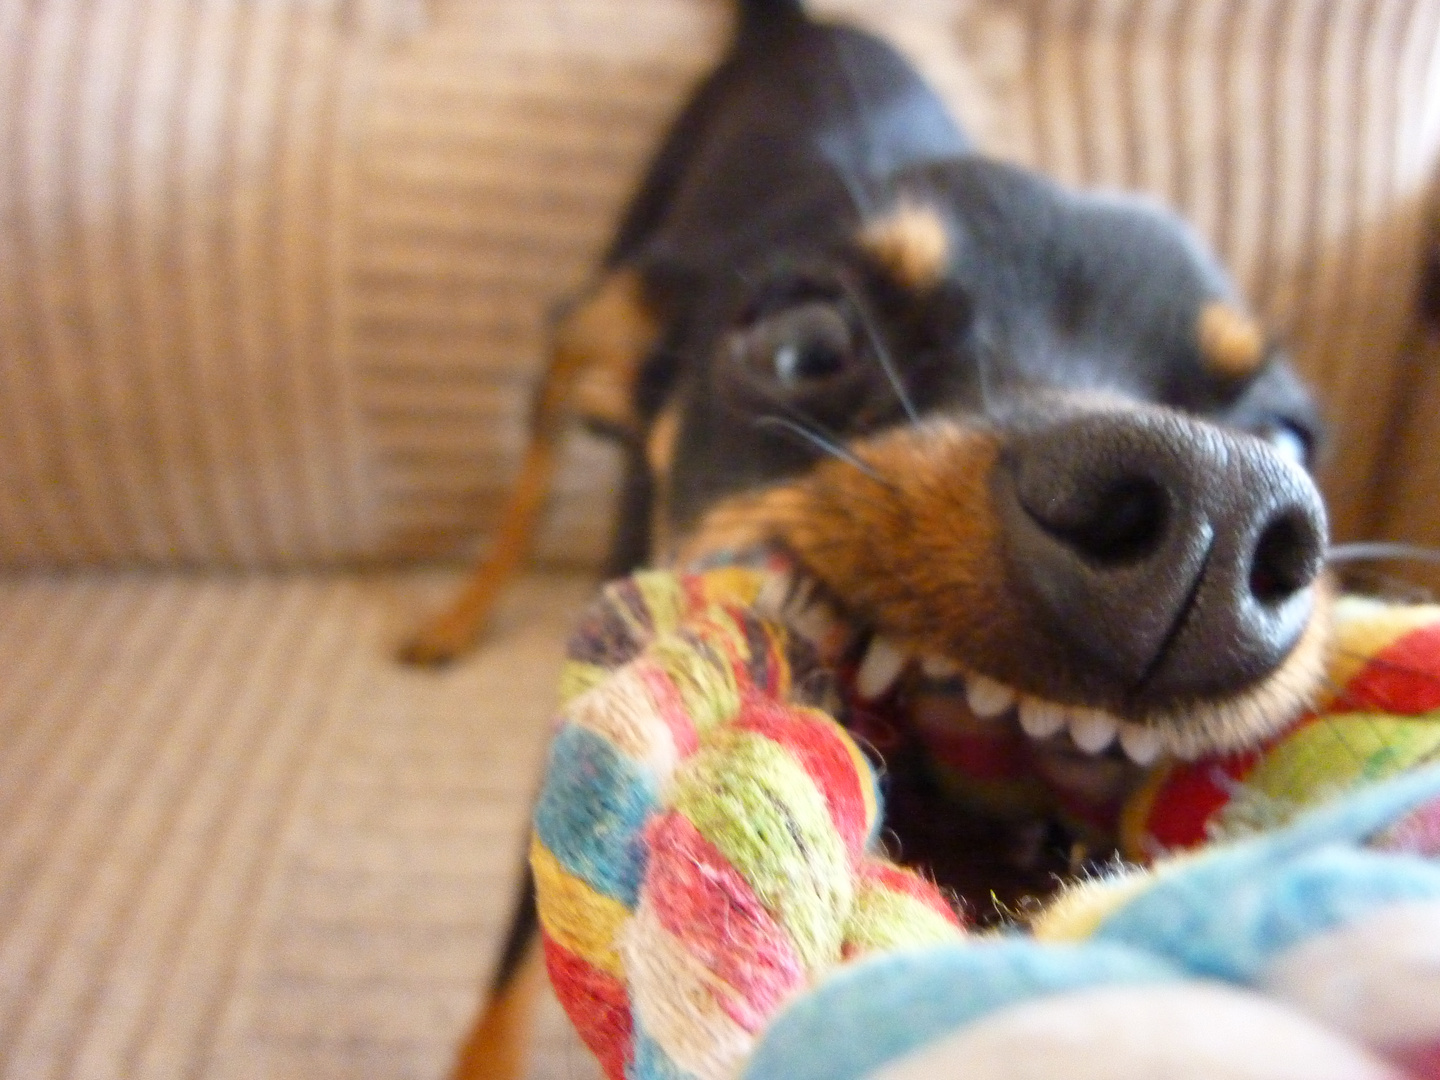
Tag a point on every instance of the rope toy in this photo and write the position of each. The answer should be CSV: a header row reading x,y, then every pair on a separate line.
x,y
703,847
1297,954
713,904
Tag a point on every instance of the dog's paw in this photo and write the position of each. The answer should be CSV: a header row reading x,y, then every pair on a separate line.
x,y
438,644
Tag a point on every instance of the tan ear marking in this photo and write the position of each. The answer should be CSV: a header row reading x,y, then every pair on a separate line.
x,y
607,337
1231,343
911,242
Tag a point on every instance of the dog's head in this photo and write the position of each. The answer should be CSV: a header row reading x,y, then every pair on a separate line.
x,y
1027,437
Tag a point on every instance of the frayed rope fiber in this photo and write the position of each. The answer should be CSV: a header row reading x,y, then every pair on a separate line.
x,y
704,842
713,906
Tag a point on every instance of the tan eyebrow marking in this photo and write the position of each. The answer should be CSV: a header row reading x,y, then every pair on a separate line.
x,y
911,242
1231,342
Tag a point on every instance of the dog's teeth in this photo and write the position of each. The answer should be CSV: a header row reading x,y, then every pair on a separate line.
x,y
1092,730
1188,751
1142,744
939,667
814,623
774,594
986,697
881,667
793,599
1040,719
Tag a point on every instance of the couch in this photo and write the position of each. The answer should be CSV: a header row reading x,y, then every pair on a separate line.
x,y
273,276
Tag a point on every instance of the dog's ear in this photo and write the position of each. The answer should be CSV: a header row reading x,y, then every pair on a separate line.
x,y
600,344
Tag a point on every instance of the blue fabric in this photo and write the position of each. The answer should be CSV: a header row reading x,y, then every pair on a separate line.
x,y
880,1009
1224,913
650,1062
1228,912
592,811
1229,926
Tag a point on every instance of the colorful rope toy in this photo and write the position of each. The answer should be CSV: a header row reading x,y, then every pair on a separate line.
x,y
712,902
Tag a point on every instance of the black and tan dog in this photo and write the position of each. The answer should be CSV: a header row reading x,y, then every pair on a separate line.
x,y
1023,437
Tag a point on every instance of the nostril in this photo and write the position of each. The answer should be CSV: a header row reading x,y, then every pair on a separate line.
x,y
1122,523
1287,558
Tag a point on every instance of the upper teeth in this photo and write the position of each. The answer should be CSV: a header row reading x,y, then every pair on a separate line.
x,y
1041,719
986,697
795,601
883,663
939,667
1091,730
1143,744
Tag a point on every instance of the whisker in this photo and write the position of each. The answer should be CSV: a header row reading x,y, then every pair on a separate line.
x,y
982,374
1300,768
861,198
882,354
1379,551
1341,696
1338,730
821,442
851,177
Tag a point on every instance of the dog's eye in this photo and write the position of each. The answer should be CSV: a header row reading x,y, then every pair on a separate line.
x,y
1289,442
800,361
802,346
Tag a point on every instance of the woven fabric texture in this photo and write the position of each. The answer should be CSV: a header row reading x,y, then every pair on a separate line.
x,y
237,841
273,273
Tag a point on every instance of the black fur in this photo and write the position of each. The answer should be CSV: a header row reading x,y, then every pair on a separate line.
x,y
833,127
520,936
746,226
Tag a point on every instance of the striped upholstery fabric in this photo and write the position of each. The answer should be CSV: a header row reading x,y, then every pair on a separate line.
x,y
238,842
170,236
273,272
1412,472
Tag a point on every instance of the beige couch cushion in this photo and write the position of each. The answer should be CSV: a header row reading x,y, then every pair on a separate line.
x,y
236,841
272,272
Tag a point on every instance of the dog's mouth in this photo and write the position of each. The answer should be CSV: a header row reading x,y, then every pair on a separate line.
x,y
912,550
970,723
892,693
945,696
979,734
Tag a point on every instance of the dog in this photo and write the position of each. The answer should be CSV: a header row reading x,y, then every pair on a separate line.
x,y
1027,439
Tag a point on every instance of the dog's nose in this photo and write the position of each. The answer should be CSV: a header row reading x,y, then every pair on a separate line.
x,y
1175,556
